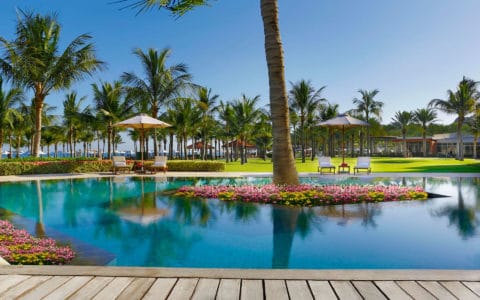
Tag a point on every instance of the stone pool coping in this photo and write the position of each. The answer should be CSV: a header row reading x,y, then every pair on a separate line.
x,y
272,274
14,178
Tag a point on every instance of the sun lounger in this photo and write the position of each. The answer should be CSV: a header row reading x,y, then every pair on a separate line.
x,y
120,164
325,162
160,164
363,163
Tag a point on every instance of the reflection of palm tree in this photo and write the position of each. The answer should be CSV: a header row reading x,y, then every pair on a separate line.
x,y
39,226
284,225
461,216
363,211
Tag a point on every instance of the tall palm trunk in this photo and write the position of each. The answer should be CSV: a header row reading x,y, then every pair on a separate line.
x,y
303,137
404,136
1,142
38,125
475,138
284,171
424,136
459,138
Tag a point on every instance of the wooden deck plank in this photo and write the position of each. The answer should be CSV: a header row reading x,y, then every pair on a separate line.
x,y
392,290
473,286
69,288
229,289
415,290
23,287
7,281
114,288
436,289
206,289
46,287
459,290
183,289
368,290
92,288
345,290
251,290
322,290
137,289
276,289
299,289
160,289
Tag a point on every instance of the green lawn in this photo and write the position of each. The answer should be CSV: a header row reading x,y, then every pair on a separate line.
x,y
379,164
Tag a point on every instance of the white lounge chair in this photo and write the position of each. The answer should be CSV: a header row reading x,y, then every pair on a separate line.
x,y
325,162
119,163
160,163
363,163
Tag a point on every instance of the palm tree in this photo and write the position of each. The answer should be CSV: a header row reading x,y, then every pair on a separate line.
x,y
403,119
368,106
245,114
305,100
206,103
7,113
424,117
161,82
72,116
327,112
461,102
284,171
33,60
225,114
112,107
186,116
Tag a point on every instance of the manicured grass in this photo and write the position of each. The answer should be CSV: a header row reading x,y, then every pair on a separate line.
x,y
379,164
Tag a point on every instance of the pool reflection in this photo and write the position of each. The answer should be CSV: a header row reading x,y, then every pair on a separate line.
x,y
139,221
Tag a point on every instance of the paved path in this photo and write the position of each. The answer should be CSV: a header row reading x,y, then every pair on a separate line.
x,y
75,282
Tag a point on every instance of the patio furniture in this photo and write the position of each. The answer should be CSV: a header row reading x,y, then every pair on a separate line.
x,y
363,163
344,168
160,164
119,163
325,162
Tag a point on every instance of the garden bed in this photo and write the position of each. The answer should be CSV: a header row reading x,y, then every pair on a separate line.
x,y
304,194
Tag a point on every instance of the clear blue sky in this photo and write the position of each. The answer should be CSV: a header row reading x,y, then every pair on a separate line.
x,y
411,50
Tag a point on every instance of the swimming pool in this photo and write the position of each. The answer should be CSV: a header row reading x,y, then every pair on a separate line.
x,y
108,221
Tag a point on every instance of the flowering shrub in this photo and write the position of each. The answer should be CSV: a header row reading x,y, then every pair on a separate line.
x,y
18,247
304,194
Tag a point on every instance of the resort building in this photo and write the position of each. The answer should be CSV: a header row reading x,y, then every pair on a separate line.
x,y
438,145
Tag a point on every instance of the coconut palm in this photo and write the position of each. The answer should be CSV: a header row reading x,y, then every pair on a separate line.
x,y
34,60
284,171
460,103
304,99
206,104
245,114
110,103
424,117
7,111
402,119
185,116
160,83
225,114
368,106
72,117
327,112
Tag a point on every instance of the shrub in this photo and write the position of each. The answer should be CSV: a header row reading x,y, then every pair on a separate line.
x,y
18,247
196,165
53,167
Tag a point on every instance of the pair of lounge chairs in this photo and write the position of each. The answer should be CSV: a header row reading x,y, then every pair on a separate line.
x,y
159,164
363,163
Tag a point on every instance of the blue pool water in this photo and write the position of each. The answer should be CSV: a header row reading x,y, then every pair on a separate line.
x,y
107,220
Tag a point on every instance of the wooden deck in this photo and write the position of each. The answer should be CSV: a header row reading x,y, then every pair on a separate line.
x,y
31,282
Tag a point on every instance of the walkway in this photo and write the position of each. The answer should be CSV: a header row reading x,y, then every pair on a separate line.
x,y
75,282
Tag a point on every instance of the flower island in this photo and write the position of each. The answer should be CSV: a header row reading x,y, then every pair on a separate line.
x,y
18,247
304,194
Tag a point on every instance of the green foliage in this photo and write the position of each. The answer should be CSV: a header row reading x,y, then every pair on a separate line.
x,y
53,167
196,165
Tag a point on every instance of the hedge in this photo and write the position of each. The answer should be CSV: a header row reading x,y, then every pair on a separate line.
x,y
196,165
25,167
